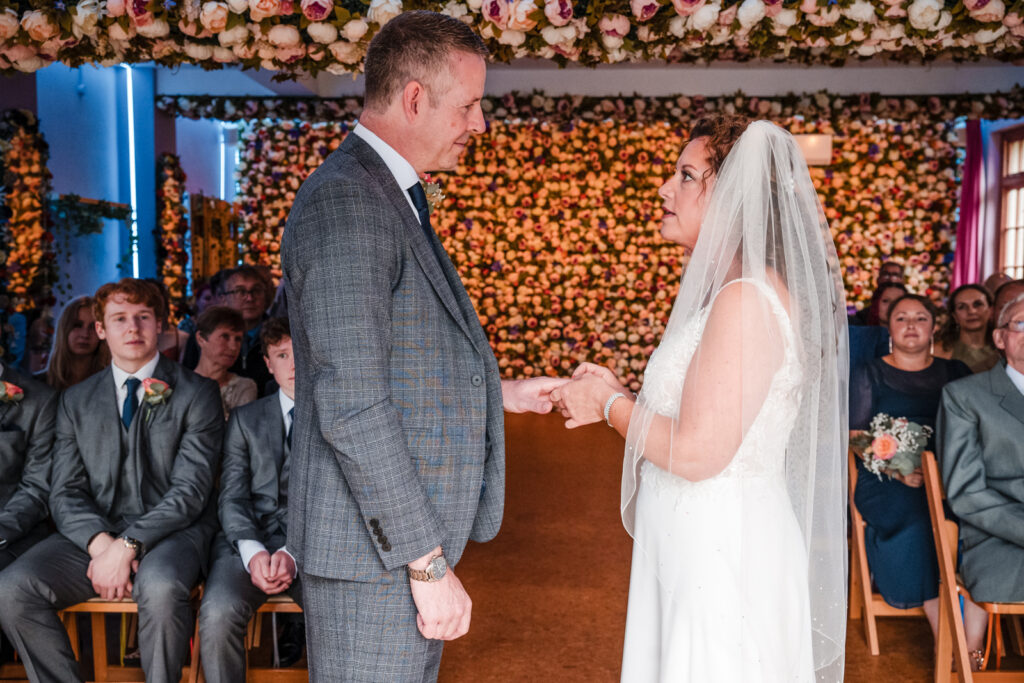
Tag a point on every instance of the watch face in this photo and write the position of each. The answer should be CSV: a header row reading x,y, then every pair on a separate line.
x,y
437,567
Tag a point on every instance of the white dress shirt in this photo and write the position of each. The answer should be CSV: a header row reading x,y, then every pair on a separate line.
x,y
402,170
120,377
1016,377
247,548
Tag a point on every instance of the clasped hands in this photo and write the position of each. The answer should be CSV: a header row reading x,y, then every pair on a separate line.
x,y
111,567
272,574
582,399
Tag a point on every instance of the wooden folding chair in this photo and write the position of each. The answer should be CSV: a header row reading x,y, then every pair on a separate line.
x,y
864,602
276,604
103,671
952,638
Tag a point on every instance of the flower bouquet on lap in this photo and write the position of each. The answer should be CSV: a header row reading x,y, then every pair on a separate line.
x,y
891,445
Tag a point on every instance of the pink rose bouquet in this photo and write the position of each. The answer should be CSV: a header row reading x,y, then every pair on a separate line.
x,y
891,445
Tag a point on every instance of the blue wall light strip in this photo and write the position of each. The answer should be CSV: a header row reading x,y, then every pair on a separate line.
x,y
222,137
134,228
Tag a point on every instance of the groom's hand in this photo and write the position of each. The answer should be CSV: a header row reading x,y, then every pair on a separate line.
x,y
529,395
444,606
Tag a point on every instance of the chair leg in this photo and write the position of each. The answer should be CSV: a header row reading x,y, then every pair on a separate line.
x,y
257,629
1000,645
944,644
70,621
993,624
99,647
1017,633
856,599
195,662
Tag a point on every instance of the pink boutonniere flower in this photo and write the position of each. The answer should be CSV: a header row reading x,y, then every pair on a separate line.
x,y
155,392
12,393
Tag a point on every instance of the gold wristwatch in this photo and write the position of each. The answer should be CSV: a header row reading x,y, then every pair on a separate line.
x,y
133,545
435,571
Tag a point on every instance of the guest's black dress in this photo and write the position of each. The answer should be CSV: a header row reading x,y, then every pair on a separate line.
x,y
898,537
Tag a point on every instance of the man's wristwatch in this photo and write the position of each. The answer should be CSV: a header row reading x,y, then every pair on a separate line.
x,y
435,571
133,545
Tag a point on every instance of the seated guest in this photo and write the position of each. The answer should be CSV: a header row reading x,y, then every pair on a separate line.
x,y
172,340
890,273
906,383
996,280
219,331
77,352
28,412
246,291
877,311
203,299
136,451
981,452
967,335
1004,295
250,561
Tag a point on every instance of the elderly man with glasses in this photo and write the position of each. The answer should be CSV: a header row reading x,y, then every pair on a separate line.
x,y
980,433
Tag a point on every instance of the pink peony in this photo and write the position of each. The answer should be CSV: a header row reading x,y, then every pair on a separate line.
x,y
496,11
38,26
884,447
317,10
643,9
116,8
687,7
614,25
558,12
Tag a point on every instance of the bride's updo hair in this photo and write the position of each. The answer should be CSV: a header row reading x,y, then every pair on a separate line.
x,y
721,132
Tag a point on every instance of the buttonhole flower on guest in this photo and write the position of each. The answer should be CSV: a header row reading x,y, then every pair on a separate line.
x,y
432,189
12,393
155,392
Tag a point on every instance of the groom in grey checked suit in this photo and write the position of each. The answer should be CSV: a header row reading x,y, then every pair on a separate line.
x,y
398,444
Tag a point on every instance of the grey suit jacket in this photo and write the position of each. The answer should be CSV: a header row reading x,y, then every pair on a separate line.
x,y
159,483
398,442
26,442
980,441
250,502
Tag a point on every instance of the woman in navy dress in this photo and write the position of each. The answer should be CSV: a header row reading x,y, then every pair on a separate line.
x,y
906,383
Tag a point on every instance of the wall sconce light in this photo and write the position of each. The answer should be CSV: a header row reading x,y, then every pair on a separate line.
x,y
817,148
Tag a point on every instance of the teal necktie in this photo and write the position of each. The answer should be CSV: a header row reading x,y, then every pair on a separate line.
x,y
130,404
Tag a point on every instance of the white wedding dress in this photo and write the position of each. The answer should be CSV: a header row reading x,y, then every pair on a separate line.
x,y
719,582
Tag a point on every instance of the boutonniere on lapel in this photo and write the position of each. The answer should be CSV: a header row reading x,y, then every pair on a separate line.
x,y
12,393
432,189
155,392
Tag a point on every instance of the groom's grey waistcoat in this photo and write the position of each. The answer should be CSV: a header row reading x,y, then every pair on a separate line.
x,y
149,482
26,441
398,443
254,475
980,439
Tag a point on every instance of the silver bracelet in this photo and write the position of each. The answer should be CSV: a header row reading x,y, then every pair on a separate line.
x,y
608,406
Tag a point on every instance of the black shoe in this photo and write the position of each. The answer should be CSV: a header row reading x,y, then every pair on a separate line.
x,y
292,641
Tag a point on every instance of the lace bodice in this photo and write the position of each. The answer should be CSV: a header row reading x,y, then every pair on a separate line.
x,y
763,449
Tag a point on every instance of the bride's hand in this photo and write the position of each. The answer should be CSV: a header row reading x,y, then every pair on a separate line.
x,y
601,372
582,400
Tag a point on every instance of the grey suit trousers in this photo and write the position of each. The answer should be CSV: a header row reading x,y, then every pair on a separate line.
x,y
52,575
366,632
229,601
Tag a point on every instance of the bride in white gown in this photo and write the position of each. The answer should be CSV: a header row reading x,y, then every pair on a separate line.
x,y
734,474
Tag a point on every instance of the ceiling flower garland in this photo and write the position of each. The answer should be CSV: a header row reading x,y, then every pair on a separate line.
x,y
29,265
552,217
309,36
172,226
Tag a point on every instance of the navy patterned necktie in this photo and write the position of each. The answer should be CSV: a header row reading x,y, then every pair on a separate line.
x,y
130,402
419,200
291,424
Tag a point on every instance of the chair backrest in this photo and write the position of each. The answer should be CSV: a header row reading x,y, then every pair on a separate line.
x,y
945,534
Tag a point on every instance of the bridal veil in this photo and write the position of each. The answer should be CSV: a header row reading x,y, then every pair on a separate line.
x,y
763,226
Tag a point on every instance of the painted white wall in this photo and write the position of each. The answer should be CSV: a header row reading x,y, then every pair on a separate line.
x,y
205,162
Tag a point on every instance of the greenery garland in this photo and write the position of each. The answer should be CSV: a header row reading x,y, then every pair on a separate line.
x,y
171,232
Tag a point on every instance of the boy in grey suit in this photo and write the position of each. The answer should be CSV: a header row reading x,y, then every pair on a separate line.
x,y
250,560
398,449
28,413
136,452
980,436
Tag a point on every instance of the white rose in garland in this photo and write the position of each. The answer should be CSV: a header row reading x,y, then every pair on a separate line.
x,y
705,17
38,26
86,18
224,55
284,35
346,52
512,38
8,24
238,6
214,16
354,30
198,52
862,12
519,16
750,13
233,36
158,28
383,11
322,32
924,14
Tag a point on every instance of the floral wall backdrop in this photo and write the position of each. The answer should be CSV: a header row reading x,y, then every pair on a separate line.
x,y
552,217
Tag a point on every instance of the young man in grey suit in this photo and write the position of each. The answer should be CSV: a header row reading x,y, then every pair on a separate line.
x,y
250,560
28,413
398,455
136,452
980,444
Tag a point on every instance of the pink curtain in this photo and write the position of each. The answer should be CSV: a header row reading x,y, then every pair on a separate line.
x,y
967,257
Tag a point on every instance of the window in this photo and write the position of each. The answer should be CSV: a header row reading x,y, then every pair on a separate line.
x,y
1011,217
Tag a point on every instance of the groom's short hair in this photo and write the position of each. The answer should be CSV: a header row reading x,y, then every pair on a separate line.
x,y
414,46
